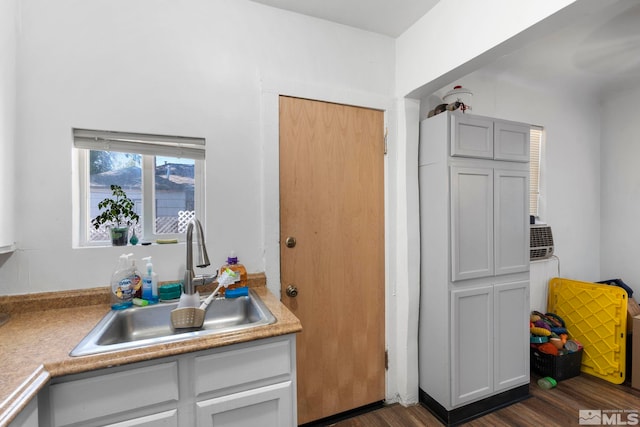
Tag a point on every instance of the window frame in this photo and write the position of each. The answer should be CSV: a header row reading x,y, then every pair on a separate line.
x,y
85,140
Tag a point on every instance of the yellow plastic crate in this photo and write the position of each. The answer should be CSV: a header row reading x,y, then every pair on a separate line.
x,y
595,315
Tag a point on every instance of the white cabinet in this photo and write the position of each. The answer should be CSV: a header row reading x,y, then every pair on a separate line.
x,y
487,322
162,419
81,400
488,233
487,138
511,220
28,417
244,384
472,222
471,344
510,325
247,386
474,269
264,406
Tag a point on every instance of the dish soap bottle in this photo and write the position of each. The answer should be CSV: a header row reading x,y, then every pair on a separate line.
x,y
150,282
136,278
233,265
121,287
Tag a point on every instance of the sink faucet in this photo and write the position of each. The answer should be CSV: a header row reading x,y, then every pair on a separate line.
x,y
190,279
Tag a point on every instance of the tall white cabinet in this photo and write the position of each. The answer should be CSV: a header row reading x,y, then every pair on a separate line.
x,y
474,279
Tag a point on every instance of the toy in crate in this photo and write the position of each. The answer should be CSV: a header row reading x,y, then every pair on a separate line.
x,y
553,354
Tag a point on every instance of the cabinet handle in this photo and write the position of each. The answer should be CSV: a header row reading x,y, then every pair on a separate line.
x,y
292,291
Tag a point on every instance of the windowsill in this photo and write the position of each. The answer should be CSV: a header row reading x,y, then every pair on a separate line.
x,y
106,245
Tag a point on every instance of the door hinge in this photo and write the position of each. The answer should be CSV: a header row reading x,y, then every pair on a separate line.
x,y
386,132
386,360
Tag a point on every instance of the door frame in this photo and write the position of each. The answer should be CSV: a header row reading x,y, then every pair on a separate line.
x,y
271,90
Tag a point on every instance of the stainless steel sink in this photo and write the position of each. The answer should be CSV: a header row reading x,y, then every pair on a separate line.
x,y
143,326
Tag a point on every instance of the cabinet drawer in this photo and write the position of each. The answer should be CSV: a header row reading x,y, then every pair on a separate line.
x,y
243,366
89,398
265,406
163,419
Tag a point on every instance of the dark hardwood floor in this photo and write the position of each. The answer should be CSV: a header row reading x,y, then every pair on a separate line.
x,y
556,407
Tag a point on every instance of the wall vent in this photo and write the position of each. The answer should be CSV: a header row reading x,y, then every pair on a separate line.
x,y
541,242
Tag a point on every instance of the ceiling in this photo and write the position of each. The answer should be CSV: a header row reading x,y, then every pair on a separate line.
x,y
596,53
386,17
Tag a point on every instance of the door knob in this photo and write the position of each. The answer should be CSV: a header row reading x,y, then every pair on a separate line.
x,y
292,291
290,242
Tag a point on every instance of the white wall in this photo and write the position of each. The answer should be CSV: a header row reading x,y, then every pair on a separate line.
x,y
459,32
620,201
8,80
180,68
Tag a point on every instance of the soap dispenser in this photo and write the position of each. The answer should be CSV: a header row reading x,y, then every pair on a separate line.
x,y
240,270
149,282
121,286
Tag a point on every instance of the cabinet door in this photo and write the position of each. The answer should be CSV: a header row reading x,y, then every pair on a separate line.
x,y
511,141
472,223
471,344
264,406
510,326
471,137
511,221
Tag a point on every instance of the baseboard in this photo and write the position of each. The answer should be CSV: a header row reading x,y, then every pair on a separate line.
x,y
476,409
344,415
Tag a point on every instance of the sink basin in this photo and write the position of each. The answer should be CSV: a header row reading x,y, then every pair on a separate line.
x,y
144,326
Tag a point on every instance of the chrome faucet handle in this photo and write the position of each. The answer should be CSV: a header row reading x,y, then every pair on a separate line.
x,y
204,279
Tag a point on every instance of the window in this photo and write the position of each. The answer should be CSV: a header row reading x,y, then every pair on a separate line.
x,y
535,148
163,175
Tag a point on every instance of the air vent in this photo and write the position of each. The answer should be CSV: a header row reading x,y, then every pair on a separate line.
x,y
541,242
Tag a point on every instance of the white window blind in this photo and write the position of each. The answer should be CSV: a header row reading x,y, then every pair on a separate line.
x,y
123,142
534,169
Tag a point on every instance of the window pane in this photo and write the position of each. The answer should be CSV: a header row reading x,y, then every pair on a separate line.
x,y
174,194
108,168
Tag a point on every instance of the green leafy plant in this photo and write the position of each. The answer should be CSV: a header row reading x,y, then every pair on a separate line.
x,y
118,211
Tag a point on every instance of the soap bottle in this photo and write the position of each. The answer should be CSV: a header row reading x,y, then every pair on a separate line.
x,y
121,287
233,265
136,278
149,282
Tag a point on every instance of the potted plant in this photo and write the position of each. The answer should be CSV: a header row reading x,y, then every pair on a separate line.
x,y
117,214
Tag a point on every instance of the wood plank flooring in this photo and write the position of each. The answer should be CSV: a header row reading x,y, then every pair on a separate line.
x,y
545,408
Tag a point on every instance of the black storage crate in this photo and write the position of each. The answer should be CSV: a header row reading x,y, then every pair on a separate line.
x,y
556,367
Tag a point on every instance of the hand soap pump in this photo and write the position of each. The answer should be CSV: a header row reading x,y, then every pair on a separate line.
x,y
149,282
121,285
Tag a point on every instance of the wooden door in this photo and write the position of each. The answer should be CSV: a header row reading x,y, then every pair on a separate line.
x,y
332,203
